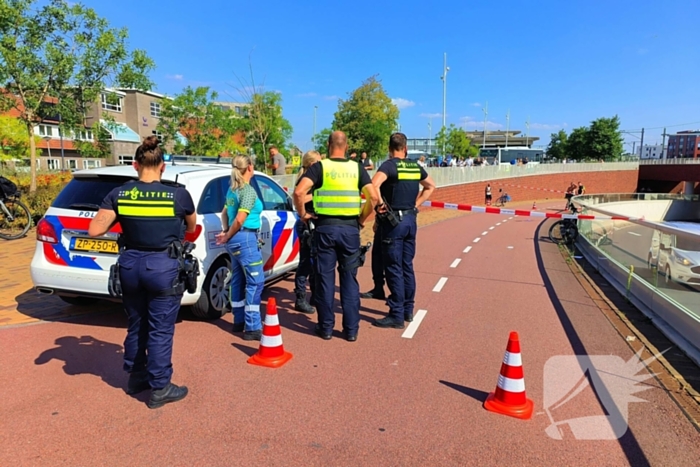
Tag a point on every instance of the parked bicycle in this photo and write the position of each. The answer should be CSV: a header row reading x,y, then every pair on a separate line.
x,y
15,218
503,199
565,231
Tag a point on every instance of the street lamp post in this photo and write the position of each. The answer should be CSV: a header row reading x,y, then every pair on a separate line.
x,y
48,145
60,133
445,69
507,126
486,114
314,136
430,135
527,132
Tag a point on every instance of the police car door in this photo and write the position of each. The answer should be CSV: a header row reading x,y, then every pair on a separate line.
x,y
281,249
209,208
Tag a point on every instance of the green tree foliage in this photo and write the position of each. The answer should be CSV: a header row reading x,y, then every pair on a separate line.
x,y
209,129
99,147
265,125
14,142
368,117
321,141
605,140
456,142
56,58
577,144
557,145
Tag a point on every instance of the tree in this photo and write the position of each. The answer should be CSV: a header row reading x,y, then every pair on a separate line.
x,y
209,129
99,147
265,124
605,140
456,142
368,117
557,146
577,146
14,143
56,58
321,141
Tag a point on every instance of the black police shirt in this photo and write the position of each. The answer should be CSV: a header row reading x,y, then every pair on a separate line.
x,y
152,215
315,174
400,194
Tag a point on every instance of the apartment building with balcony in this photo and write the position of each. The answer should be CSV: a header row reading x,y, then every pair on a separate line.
x,y
684,144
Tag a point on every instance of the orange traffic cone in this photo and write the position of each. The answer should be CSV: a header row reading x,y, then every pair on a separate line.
x,y
271,353
534,205
509,397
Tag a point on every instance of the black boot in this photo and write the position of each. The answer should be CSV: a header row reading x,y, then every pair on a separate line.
x,y
138,382
252,335
303,307
170,393
377,293
388,322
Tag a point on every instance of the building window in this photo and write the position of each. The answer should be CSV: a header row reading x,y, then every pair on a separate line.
x,y
155,109
53,164
91,163
85,135
126,160
45,130
112,102
159,135
72,164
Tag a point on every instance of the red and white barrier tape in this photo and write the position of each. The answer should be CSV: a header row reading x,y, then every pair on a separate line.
x,y
521,212
532,188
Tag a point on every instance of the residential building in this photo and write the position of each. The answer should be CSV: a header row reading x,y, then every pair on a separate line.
x,y
649,151
239,108
494,139
684,144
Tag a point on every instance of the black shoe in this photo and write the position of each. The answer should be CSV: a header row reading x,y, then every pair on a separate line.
x,y
303,307
326,336
170,393
350,337
238,327
388,323
375,294
138,382
252,335
408,317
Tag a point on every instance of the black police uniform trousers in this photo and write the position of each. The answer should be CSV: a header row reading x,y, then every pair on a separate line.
x,y
332,244
398,251
305,269
149,339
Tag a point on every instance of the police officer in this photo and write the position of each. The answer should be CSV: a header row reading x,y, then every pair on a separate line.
x,y
153,218
399,181
338,217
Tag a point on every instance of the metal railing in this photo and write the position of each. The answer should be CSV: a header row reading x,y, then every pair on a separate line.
x,y
673,161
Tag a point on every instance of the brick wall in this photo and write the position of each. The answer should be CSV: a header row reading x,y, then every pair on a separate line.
x,y
621,181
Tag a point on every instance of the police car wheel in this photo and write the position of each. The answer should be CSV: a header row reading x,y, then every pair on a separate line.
x,y
213,301
78,301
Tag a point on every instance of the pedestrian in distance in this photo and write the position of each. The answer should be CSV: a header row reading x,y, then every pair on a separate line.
x,y
338,218
488,195
305,270
240,221
154,218
277,164
366,162
581,189
399,181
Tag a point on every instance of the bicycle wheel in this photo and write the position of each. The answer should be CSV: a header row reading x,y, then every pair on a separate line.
x,y
570,234
555,232
15,219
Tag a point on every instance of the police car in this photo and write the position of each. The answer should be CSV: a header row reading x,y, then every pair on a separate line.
x,y
73,266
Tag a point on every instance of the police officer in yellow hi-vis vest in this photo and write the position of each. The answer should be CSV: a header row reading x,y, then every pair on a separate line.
x,y
154,217
338,217
399,181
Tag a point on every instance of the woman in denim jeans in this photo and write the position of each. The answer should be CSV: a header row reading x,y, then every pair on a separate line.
x,y
305,269
241,222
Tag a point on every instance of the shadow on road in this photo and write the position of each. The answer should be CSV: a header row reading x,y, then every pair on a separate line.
x,y
476,394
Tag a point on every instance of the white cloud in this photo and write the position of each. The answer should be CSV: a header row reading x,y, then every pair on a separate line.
x,y
330,98
437,115
175,77
476,104
402,103
469,122
307,94
547,126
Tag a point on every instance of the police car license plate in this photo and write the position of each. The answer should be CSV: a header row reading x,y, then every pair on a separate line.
x,y
95,245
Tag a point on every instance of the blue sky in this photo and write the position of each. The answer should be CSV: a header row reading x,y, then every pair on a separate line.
x,y
562,64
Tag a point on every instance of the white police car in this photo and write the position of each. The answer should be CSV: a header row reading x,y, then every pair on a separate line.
x,y
75,267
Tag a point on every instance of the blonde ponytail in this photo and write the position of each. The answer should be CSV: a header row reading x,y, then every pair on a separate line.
x,y
240,164
307,161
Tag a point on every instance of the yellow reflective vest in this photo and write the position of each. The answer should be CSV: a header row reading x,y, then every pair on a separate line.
x,y
339,195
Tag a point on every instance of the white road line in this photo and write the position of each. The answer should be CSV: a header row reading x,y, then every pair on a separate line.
x,y
510,247
635,234
498,223
455,263
505,220
476,240
413,326
467,249
485,232
491,228
510,217
441,283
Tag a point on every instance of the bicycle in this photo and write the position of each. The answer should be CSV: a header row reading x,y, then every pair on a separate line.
x,y
503,199
565,231
15,217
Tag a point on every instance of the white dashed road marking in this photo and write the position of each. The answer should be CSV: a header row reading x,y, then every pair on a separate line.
x,y
413,326
467,249
486,232
510,247
455,263
441,283
498,223
491,228
476,240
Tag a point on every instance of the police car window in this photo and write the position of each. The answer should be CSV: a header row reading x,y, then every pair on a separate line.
x,y
272,196
87,193
212,200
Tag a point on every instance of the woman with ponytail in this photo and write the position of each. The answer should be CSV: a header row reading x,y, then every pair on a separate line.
x,y
305,270
241,222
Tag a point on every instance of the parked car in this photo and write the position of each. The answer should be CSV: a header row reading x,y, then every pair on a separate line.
x,y
676,257
69,264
